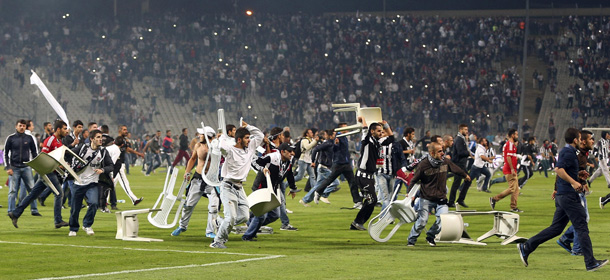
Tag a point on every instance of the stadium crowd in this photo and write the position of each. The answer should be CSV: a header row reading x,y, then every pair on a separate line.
x,y
440,66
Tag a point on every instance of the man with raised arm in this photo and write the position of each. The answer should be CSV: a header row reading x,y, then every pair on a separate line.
x,y
234,172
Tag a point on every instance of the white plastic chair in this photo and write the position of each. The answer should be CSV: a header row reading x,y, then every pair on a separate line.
x,y
166,202
400,210
370,114
264,200
128,226
45,163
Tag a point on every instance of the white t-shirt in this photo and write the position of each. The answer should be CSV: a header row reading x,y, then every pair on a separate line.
x,y
480,151
237,161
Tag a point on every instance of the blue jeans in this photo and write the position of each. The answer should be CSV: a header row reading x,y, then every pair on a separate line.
x,y
256,223
127,162
20,174
146,161
323,173
303,166
67,186
283,214
91,191
425,208
36,191
385,183
475,172
154,163
570,236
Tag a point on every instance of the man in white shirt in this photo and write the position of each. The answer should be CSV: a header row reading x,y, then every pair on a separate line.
x,y
235,170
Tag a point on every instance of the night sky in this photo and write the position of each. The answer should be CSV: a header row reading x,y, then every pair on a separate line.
x,y
104,7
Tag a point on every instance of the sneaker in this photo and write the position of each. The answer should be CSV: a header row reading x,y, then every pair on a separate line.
x,y
431,241
61,224
516,210
178,231
105,210
72,233
13,219
522,254
358,205
288,227
138,201
577,254
218,245
289,211
564,245
88,230
602,202
316,198
461,203
492,203
210,235
451,205
356,226
36,214
597,265
325,200
243,238
410,244
303,203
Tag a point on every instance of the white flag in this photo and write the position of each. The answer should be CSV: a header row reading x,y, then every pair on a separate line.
x,y
35,80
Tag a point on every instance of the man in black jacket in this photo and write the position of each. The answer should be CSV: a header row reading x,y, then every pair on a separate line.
x,y
277,165
341,166
19,148
322,159
460,158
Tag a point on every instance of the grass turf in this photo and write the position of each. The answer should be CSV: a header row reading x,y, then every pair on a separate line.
x,y
323,247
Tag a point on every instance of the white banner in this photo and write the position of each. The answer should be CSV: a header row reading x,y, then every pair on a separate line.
x,y
35,80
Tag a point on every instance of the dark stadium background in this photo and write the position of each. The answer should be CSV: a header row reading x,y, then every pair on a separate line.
x,y
105,7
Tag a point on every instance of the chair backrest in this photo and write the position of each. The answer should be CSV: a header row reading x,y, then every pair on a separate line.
x,y
452,227
167,201
264,200
370,115
43,163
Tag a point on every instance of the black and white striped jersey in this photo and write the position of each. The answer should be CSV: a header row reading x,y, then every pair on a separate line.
x,y
602,149
369,152
385,153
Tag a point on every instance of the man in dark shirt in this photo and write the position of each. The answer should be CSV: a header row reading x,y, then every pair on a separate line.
x,y
182,150
432,172
528,151
341,166
460,158
568,206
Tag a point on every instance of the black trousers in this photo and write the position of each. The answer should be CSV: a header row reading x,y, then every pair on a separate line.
x,y
528,171
457,182
335,171
568,208
367,187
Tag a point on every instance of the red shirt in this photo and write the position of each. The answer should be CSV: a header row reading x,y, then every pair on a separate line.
x,y
50,144
510,154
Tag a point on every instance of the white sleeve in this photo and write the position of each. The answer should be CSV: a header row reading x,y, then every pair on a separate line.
x,y
256,137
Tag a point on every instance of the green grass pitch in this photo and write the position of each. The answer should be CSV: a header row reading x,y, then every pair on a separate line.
x,y
322,248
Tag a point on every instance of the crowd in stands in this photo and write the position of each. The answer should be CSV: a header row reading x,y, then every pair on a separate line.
x,y
422,71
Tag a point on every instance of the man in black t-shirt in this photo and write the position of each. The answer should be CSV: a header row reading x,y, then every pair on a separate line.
x,y
528,151
184,146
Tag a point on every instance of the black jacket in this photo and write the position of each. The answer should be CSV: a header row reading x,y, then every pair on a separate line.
x,y
460,152
323,153
278,169
19,148
341,152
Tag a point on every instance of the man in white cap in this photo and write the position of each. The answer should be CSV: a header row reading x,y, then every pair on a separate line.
x,y
198,186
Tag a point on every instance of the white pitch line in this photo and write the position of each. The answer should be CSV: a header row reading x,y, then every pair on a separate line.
x,y
133,249
159,268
